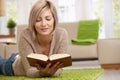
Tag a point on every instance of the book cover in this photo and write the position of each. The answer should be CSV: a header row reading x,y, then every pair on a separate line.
x,y
43,60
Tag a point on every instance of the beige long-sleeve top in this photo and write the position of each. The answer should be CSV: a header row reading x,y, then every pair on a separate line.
x,y
29,44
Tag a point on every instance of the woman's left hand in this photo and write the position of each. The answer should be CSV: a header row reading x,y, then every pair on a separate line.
x,y
49,70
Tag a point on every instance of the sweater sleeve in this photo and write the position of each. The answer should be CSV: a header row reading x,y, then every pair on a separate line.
x,y
25,48
62,42
63,45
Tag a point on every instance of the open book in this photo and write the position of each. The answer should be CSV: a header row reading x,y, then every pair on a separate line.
x,y
43,60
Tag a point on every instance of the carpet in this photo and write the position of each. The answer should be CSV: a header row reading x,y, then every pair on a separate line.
x,y
74,74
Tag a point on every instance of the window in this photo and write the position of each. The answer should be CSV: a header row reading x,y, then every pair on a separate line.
x,y
116,9
98,10
70,11
12,9
66,10
109,13
10,12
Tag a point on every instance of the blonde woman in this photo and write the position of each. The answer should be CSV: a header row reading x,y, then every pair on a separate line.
x,y
41,37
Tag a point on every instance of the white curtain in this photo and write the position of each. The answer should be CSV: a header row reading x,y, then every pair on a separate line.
x,y
88,13
108,19
24,7
83,10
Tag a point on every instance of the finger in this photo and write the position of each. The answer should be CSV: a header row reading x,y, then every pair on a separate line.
x,y
61,65
38,66
47,67
55,65
55,68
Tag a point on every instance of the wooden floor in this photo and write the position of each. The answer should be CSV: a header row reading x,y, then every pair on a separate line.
x,y
84,64
108,74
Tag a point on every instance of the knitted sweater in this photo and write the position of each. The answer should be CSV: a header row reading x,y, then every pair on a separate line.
x,y
29,44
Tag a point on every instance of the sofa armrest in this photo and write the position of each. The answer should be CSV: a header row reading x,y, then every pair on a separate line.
x,y
10,49
109,51
2,50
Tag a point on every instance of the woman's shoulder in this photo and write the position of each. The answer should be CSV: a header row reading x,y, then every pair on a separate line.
x,y
60,30
26,32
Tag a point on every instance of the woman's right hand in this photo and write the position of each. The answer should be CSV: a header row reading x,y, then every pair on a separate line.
x,y
48,70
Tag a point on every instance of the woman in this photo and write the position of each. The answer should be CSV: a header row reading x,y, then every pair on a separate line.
x,y
41,37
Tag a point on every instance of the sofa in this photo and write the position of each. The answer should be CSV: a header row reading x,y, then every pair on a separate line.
x,y
105,50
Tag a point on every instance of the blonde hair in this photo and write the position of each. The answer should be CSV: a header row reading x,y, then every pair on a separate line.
x,y
38,8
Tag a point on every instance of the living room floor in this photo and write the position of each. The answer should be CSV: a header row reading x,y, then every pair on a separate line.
x,y
110,74
84,64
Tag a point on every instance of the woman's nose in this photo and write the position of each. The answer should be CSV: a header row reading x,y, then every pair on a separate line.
x,y
44,23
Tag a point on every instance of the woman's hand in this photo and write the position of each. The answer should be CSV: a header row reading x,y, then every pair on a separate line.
x,y
48,70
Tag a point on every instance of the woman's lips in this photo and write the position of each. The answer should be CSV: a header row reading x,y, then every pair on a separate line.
x,y
44,29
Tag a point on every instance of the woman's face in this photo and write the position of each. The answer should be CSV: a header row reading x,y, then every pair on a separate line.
x,y
45,23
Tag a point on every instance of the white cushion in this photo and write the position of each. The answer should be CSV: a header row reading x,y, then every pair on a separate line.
x,y
83,51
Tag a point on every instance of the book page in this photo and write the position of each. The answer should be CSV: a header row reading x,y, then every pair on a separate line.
x,y
58,56
38,56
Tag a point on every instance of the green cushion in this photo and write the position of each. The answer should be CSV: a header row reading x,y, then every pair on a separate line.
x,y
88,31
84,42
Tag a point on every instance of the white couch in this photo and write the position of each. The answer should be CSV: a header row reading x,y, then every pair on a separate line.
x,y
106,50
78,51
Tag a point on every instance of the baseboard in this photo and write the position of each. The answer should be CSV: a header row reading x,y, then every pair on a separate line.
x,y
84,59
110,66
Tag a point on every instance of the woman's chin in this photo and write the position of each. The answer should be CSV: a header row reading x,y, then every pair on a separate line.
x,y
45,34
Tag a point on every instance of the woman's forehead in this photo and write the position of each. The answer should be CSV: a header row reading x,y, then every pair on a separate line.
x,y
46,12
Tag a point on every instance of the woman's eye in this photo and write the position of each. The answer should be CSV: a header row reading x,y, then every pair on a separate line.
x,y
48,18
38,19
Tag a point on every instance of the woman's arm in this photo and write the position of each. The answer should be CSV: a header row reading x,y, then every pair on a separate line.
x,y
25,48
63,45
